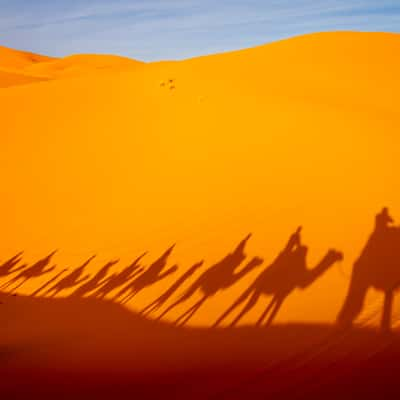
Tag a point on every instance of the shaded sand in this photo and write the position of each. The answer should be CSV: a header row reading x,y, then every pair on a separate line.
x,y
95,349
201,153
10,78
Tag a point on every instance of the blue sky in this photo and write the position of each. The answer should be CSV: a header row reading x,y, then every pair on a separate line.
x,y
174,29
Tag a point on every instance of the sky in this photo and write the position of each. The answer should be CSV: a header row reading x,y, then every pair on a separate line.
x,y
151,30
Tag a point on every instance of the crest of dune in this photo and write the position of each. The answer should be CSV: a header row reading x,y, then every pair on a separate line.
x,y
11,58
128,157
81,64
19,67
13,63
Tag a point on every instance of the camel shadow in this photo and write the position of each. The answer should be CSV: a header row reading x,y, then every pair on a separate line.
x,y
220,276
378,266
97,281
118,279
10,266
27,273
160,301
288,272
71,280
153,274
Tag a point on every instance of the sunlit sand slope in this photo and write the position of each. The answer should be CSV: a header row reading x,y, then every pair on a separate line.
x,y
10,58
18,67
81,64
11,78
13,64
202,152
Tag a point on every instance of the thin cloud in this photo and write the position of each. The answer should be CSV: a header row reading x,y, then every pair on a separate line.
x,y
159,29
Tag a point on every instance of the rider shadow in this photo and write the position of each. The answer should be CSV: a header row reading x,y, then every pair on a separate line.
x,y
34,271
118,279
10,266
97,281
288,272
220,276
71,280
153,274
376,267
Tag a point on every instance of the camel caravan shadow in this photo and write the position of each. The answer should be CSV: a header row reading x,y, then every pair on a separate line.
x,y
219,277
288,272
89,334
377,267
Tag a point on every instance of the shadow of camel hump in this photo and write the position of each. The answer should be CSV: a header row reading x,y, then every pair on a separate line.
x,y
96,281
218,277
34,271
288,272
10,266
118,279
71,280
150,276
378,266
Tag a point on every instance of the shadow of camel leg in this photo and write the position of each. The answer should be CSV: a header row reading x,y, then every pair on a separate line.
x,y
8,283
236,304
189,314
150,308
168,309
183,298
129,297
122,293
19,285
267,310
250,304
387,311
278,304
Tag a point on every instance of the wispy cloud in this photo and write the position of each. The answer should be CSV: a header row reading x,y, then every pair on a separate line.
x,y
159,29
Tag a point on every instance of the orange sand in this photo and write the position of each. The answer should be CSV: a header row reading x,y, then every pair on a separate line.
x,y
125,157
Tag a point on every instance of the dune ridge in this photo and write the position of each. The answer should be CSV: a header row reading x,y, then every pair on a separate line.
x,y
20,67
18,59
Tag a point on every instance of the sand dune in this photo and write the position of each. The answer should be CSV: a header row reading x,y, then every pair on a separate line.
x,y
81,64
200,153
11,58
8,78
13,64
18,67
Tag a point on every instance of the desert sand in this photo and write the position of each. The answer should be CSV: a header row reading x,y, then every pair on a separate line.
x,y
167,168
114,157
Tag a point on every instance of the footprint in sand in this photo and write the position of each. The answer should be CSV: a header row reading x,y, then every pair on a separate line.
x,y
170,84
